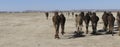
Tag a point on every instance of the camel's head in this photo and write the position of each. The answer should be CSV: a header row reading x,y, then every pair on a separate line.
x,y
55,13
94,14
118,13
76,15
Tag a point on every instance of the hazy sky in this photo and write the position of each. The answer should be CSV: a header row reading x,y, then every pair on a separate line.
x,y
20,5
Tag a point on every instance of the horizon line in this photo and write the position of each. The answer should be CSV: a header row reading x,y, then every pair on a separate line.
x,y
58,10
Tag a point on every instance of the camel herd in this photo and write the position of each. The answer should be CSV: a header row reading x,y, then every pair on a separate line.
x,y
108,20
107,17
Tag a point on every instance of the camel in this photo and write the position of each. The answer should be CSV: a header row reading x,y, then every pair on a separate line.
x,y
62,22
47,14
79,21
105,21
94,21
57,21
87,20
118,21
111,20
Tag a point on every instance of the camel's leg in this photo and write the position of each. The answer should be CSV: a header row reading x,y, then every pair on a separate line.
x,y
87,25
94,27
105,26
111,29
119,27
76,24
54,26
47,17
81,27
77,28
87,28
57,31
119,30
62,29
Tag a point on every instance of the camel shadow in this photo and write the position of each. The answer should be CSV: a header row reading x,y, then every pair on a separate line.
x,y
98,32
101,30
106,32
77,34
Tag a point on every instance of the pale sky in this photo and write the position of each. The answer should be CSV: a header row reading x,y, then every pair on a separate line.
x,y
21,5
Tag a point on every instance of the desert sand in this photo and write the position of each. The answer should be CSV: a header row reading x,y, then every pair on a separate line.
x,y
33,30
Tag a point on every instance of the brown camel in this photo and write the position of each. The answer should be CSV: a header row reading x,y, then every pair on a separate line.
x,y
118,21
105,20
79,21
94,21
62,22
111,20
87,20
57,21
47,14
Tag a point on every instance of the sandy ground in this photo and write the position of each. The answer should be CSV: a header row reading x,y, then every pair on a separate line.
x,y
33,30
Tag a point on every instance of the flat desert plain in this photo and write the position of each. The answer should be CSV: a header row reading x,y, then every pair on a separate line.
x,y
33,30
